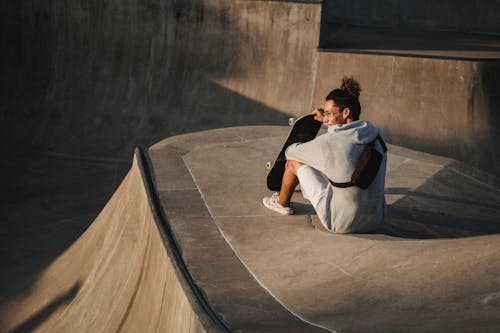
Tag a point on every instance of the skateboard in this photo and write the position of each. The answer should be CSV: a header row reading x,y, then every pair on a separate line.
x,y
303,129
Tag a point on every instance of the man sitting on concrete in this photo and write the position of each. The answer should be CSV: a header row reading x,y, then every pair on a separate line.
x,y
332,157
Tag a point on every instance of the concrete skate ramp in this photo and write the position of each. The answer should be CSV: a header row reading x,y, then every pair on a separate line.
x,y
185,245
433,266
126,273
88,81
116,277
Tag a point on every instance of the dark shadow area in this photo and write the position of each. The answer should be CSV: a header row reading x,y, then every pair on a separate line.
x,y
448,45
39,317
449,205
440,198
421,29
303,209
489,81
46,203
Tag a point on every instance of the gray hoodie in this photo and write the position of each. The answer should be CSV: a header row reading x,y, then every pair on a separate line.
x,y
335,154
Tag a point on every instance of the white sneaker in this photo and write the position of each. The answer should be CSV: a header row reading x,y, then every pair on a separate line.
x,y
273,204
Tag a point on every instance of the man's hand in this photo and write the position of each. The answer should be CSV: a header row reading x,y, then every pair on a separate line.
x,y
318,114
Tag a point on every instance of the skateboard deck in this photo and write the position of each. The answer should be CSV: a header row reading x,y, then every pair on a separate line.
x,y
303,129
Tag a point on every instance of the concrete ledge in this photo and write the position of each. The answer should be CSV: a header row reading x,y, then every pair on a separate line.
x,y
338,37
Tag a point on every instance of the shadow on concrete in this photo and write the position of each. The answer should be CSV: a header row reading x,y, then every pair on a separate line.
x,y
303,209
39,317
440,29
446,200
451,45
449,205
490,72
46,203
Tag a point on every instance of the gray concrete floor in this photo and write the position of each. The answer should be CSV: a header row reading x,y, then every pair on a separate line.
x,y
435,257
433,266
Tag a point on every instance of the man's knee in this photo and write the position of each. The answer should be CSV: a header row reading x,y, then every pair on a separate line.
x,y
293,166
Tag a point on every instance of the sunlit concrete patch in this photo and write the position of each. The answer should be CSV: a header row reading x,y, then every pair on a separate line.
x,y
245,161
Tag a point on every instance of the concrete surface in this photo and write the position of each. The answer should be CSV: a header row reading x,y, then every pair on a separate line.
x,y
427,68
446,107
47,202
97,80
122,274
477,17
402,42
436,256
432,268
82,83
100,283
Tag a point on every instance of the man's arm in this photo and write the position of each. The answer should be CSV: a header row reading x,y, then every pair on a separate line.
x,y
309,153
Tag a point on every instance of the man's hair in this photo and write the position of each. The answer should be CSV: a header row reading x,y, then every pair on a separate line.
x,y
347,96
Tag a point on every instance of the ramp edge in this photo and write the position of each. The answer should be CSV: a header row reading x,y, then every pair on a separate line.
x,y
206,314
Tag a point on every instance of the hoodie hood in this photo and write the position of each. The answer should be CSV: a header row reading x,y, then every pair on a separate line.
x,y
358,132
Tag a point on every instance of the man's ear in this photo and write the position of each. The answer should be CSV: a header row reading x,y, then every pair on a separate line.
x,y
346,113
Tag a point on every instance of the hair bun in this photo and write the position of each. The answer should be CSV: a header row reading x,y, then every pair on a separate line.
x,y
351,86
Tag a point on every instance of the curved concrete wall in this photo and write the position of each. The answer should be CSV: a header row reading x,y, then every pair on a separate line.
x,y
118,276
154,260
93,78
101,77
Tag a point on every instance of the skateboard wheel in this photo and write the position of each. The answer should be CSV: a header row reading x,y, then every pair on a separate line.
x,y
291,121
268,165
